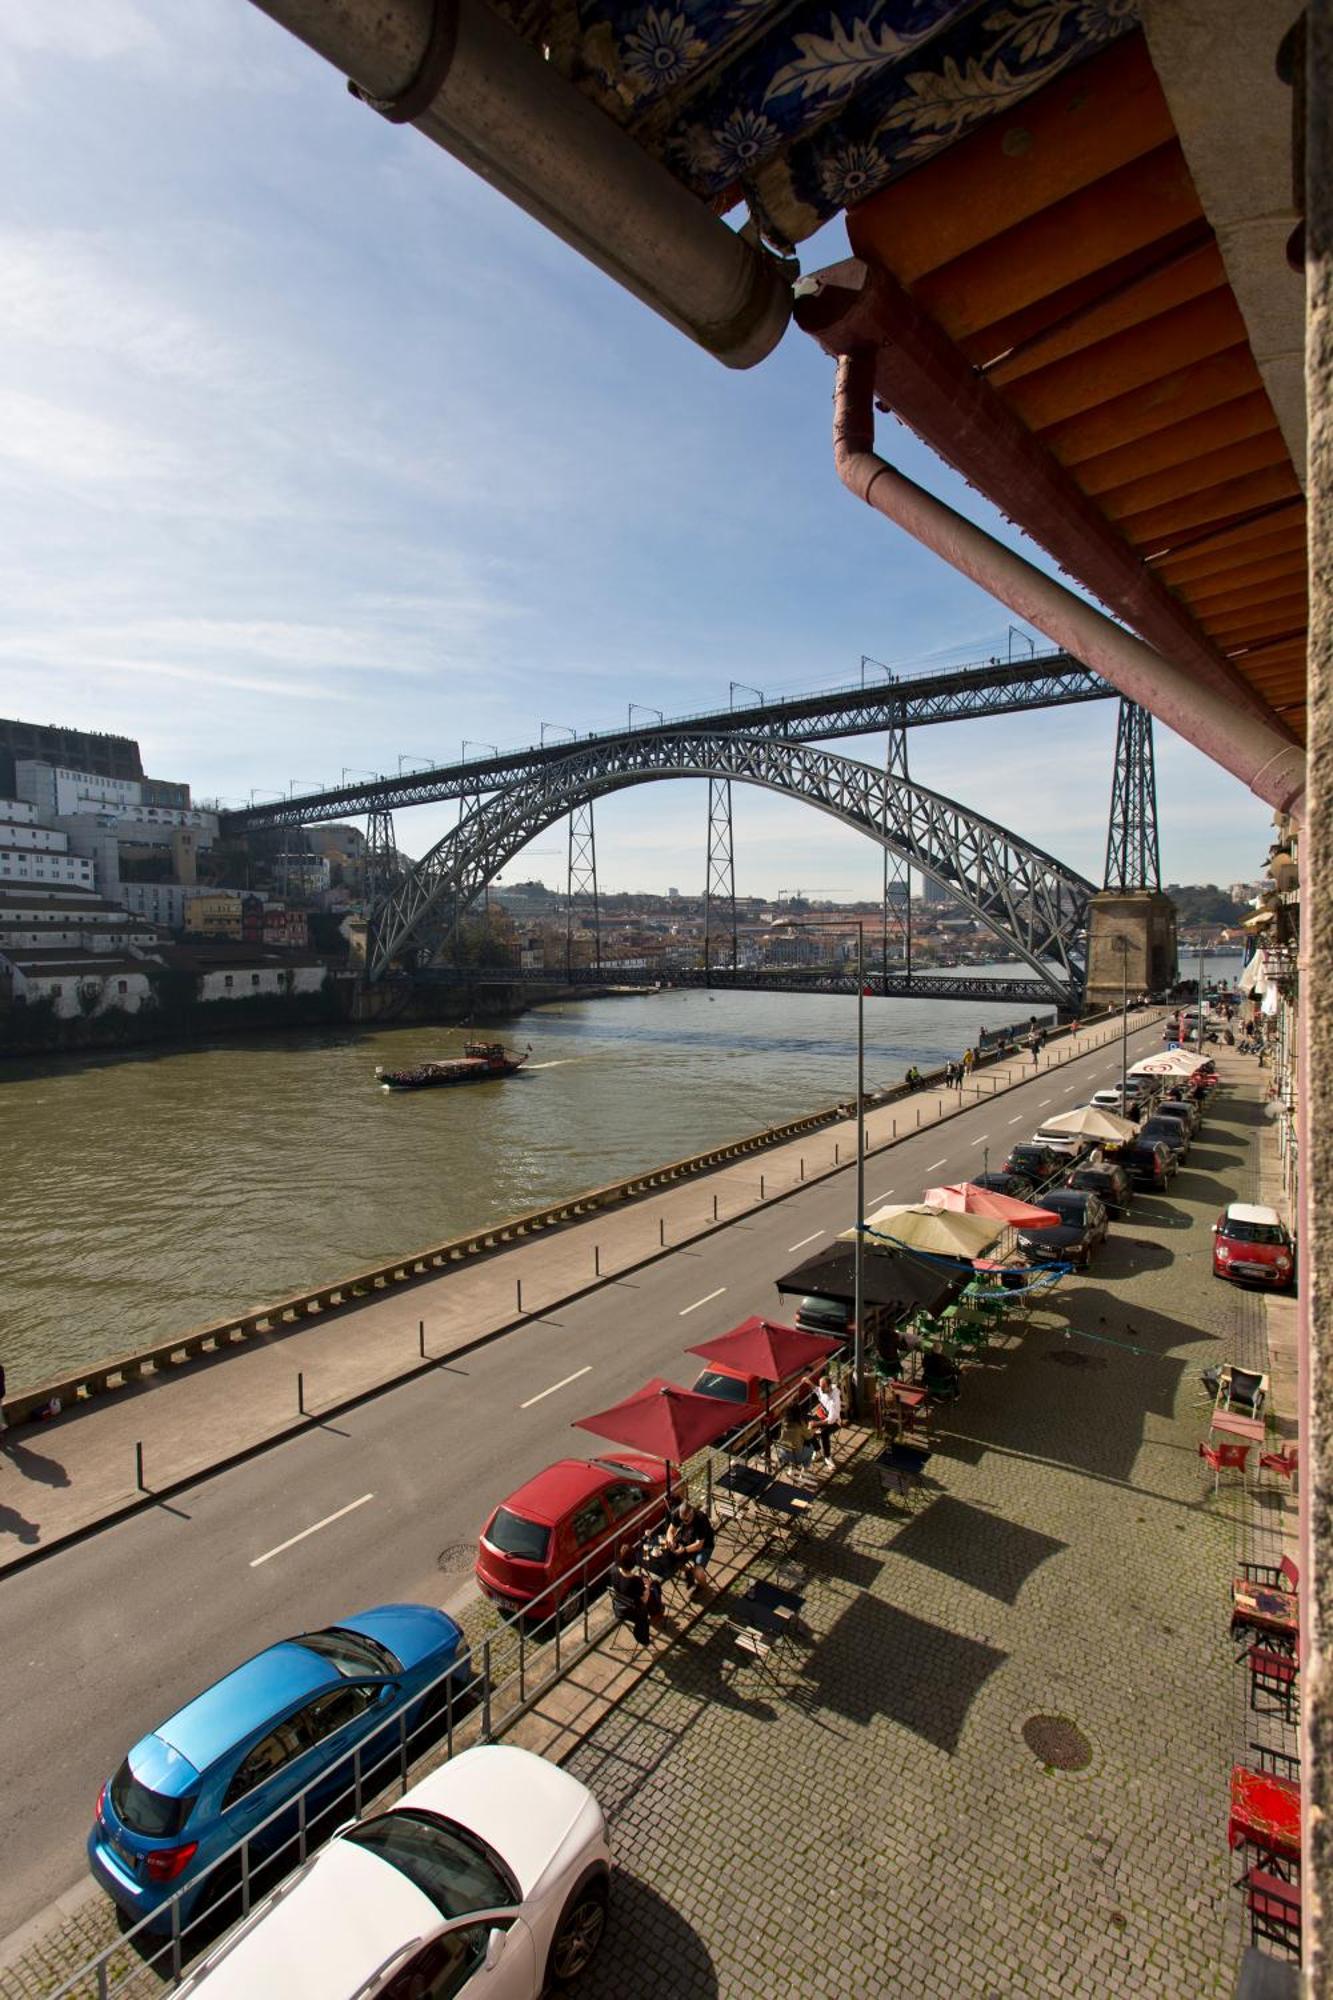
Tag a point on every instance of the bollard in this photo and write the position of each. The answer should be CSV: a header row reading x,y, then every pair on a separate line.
x,y
661,1231
761,1187
715,1208
421,1337
138,1468
300,1392
518,1293
835,1152
802,1165
918,1116
895,1128
597,1260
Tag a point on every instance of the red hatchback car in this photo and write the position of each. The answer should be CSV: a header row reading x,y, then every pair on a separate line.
x,y
561,1528
1251,1245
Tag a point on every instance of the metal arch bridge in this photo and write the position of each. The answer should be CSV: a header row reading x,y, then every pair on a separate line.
x,y
1034,904
950,694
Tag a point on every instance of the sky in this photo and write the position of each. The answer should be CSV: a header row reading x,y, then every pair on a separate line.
x,y
317,455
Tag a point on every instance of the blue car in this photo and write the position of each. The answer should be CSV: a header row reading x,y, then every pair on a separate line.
x,y
232,1757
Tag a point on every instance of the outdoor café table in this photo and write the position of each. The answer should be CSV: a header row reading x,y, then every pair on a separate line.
x,y
912,1403
771,1627
1250,1428
902,1465
1263,1609
1265,1813
664,1563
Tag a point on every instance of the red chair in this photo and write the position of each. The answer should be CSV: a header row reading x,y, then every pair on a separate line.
x,y
1286,1463
1275,1910
1270,1576
1276,1676
1225,1458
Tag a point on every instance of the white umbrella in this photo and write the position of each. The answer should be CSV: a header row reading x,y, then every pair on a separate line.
x,y
1172,1062
1091,1122
940,1232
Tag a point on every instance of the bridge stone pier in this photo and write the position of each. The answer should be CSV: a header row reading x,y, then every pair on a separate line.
x,y
1131,943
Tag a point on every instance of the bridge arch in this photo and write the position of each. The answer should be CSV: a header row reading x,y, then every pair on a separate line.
x,y
1032,902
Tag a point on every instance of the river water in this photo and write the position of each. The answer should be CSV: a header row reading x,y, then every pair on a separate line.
x,y
151,1192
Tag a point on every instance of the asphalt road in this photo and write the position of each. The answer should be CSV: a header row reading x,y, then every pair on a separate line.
x,y
104,1639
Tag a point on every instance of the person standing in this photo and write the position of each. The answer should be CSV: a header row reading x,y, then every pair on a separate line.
x,y
826,1417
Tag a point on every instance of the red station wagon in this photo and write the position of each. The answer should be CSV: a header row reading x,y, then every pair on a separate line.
x,y
537,1542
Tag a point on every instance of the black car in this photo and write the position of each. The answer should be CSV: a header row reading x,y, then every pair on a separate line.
x,y
1082,1226
1037,1164
1185,1114
1017,1186
1108,1181
1165,1132
1148,1162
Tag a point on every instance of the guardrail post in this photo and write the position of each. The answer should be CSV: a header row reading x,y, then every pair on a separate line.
x,y
486,1690
835,1152
138,1468
301,1820
597,1260
449,1714
802,1166
761,1187
356,1777
918,1117
245,1878
522,1662
715,1208
176,1937
300,1392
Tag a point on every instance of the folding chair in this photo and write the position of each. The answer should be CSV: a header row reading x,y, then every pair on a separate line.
x,y
1273,1576
1274,1909
1275,1676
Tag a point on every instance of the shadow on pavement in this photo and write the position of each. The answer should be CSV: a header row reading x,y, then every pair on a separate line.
x,y
928,1677
35,1465
18,1525
974,1547
1151,1212
649,1948
1122,1256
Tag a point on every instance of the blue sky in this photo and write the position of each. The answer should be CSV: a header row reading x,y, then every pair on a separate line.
x,y
315,452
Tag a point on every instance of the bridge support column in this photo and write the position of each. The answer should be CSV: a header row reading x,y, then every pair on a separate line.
x,y
896,929
720,884
1131,945
582,880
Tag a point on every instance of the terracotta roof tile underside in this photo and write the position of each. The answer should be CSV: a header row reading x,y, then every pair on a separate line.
x,y
1064,252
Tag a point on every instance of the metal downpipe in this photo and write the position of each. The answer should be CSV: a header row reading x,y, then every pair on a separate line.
x,y
1264,759
466,80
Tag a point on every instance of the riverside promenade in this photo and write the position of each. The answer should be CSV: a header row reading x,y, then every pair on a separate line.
x,y
83,1469
886,1808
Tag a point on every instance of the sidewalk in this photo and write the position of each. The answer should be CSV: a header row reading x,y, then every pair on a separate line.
x,y
80,1471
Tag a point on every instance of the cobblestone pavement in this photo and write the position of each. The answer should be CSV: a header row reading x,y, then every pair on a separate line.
x,y
870,1821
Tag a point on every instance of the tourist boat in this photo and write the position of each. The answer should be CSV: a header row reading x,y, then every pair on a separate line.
x,y
480,1062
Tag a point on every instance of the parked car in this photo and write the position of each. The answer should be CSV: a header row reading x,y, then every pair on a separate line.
x,y
1252,1245
746,1392
1167,1132
558,1531
821,1315
1129,1103
215,1771
1148,1162
1017,1186
1107,1180
1187,1109
1067,1146
1037,1163
1081,1230
487,1881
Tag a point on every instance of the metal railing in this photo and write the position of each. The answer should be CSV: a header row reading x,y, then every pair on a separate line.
x,y
514,1666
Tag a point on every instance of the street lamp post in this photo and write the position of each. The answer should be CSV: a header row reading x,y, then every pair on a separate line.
x,y
858,1338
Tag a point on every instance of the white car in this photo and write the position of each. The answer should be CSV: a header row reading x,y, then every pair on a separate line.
x,y
487,1881
1072,1145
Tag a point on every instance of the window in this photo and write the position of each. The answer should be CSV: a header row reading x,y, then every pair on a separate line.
x,y
268,1756
623,1500
122,985
727,1388
352,1653
334,1711
441,1968
451,1866
588,1523
254,979
226,980
158,1815
528,1541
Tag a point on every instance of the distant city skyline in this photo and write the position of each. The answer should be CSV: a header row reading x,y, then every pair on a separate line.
x,y
310,471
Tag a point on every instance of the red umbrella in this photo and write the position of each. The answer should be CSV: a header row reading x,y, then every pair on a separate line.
x,y
968,1199
764,1348
664,1420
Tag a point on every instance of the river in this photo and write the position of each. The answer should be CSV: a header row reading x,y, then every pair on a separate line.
x,y
154,1191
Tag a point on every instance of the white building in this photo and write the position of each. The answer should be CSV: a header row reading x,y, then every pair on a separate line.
x,y
54,866
243,981
79,982
17,812
22,833
160,902
52,790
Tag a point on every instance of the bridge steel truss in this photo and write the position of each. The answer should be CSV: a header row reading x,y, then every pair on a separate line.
x,y
1133,859
1034,904
955,694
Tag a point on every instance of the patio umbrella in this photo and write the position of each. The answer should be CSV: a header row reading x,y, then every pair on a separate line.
x,y
663,1420
1091,1122
1171,1062
939,1232
772,1352
971,1200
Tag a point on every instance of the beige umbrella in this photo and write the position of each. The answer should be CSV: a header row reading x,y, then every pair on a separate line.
x,y
1091,1122
939,1232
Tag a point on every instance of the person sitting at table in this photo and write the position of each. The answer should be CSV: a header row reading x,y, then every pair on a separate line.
x,y
795,1444
691,1535
826,1416
635,1598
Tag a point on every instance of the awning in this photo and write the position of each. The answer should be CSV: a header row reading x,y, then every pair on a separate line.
x,y
899,1284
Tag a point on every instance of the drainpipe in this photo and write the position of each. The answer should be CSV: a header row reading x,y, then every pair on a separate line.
x,y
1264,759
473,86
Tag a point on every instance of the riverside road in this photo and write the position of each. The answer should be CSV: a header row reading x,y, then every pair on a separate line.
x,y
107,1636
